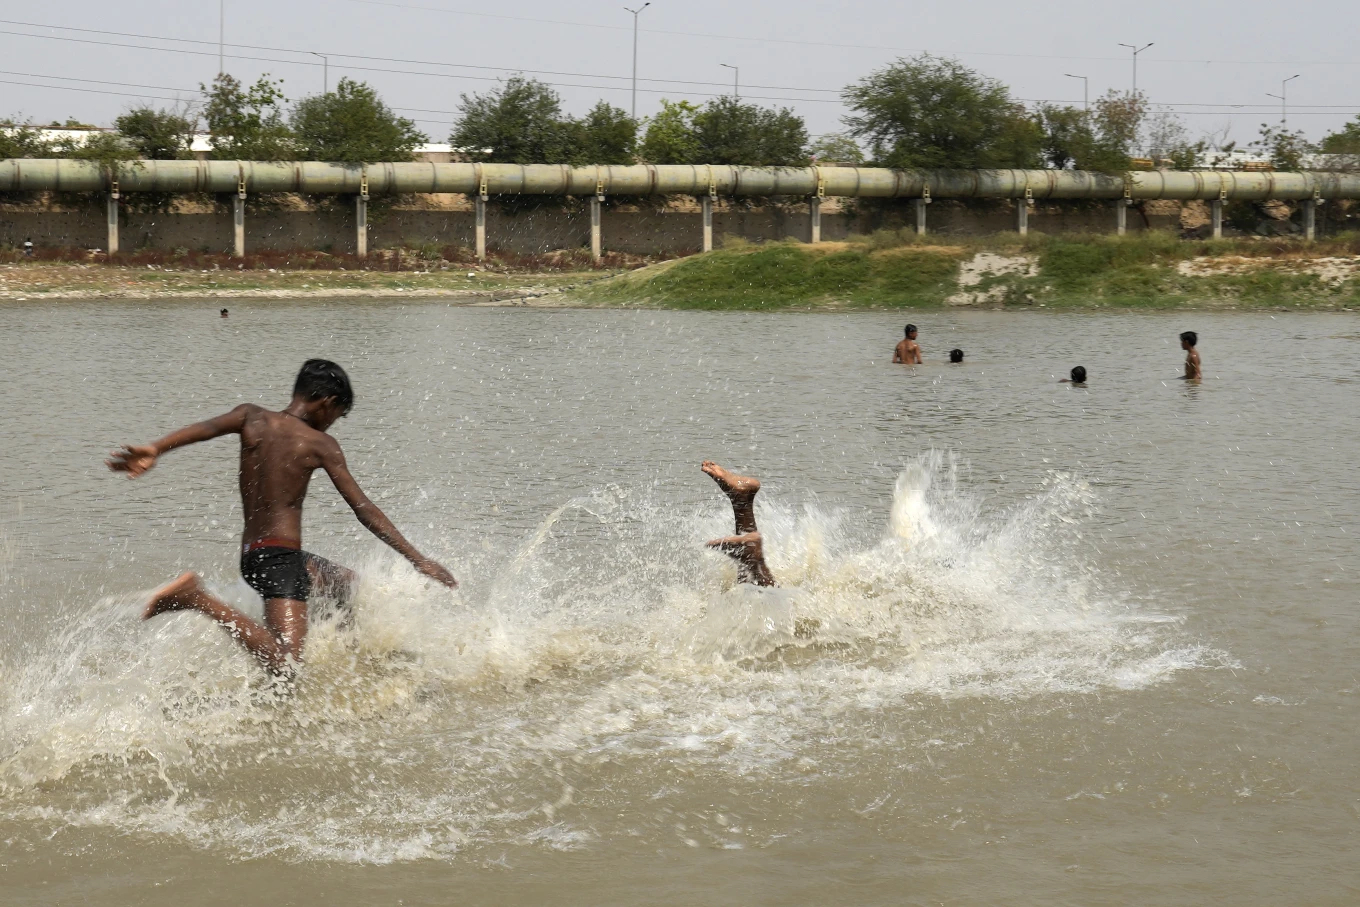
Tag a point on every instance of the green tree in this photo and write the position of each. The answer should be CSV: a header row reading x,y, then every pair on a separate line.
x,y
670,135
730,132
1345,140
1285,148
157,135
836,147
518,122
22,140
932,112
1118,122
352,125
247,124
606,135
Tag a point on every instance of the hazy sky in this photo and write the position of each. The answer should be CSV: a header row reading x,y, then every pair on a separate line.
x,y
1214,62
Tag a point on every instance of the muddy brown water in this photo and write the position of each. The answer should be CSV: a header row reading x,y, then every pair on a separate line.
x,y
1073,645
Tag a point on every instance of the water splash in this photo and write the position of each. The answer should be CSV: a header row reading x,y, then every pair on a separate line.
x,y
432,723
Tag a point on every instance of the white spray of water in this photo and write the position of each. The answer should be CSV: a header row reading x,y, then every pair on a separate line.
x,y
432,723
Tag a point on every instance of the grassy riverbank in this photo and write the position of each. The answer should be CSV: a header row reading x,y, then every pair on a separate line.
x,y
902,270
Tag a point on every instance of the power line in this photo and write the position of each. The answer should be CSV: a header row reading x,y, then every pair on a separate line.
x,y
760,40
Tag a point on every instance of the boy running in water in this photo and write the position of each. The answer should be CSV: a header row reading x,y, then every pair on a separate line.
x,y
279,452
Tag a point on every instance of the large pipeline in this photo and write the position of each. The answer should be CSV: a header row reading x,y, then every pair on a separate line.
x,y
318,178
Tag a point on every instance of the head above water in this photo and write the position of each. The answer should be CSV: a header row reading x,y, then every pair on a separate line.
x,y
224,313
323,382
1189,339
1079,374
911,332
956,355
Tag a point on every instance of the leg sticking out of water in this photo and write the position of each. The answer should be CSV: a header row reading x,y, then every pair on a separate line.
x,y
277,643
745,546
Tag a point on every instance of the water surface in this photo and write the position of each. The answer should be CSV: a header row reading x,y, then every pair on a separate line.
x,y
1076,645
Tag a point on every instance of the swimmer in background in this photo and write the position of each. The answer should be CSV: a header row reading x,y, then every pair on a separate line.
x,y
279,452
745,546
1193,372
224,313
956,356
907,351
1078,376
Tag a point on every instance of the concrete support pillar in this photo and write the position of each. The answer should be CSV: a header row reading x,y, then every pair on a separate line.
x,y
113,223
1022,216
239,220
595,245
479,207
1216,217
920,205
706,205
815,219
1121,216
1310,219
361,226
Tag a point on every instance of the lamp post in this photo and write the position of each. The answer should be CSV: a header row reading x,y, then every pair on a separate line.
x,y
635,13
1283,98
736,79
325,71
1136,52
1085,90
221,33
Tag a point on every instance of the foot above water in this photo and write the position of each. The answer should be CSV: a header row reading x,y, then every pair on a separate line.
x,y
732,484
176,595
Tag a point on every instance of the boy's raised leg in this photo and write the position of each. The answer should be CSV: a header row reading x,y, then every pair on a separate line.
x,y
277,644
746,547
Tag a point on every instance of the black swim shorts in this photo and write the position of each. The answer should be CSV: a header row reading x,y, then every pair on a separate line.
x,y
276,572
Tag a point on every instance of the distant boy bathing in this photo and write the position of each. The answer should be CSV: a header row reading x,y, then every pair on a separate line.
x,y
907,351
1193,371
279,452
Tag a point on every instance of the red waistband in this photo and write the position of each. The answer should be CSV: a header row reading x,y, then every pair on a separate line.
x,y
292,544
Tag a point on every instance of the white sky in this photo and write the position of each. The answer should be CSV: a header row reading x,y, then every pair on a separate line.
x,y
1225,57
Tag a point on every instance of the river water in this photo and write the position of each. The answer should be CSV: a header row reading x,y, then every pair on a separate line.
x,y
1071,645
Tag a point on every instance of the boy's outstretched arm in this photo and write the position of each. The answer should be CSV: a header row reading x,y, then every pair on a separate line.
x,y
376,522
135,459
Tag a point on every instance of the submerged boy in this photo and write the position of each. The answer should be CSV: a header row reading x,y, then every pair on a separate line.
x,y
745,546
908,352
279,452
1193,372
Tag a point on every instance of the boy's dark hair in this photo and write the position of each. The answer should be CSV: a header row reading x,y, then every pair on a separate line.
x,y
1079,374
910,328
1190,337
956,355
321,378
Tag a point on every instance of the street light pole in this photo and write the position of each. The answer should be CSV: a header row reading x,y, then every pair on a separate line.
x,y
1283,97
221,33
635,13
325,71
1136,52
736,79
1085,90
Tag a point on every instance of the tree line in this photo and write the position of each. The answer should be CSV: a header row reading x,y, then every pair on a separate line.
x,y
919,112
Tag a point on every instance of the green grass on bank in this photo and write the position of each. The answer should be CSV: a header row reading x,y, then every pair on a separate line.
x,y
900,269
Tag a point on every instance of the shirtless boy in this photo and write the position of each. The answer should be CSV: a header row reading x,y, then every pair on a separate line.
x,y
279,452
1193,372
907,351
745,546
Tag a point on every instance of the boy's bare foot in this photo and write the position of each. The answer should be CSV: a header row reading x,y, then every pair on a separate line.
x,y
177,595
733,485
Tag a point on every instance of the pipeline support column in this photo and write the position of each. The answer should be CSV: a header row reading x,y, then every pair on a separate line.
x,y
1310,219
239,225
113,219
1022,216
815,219
596,247
920,205
479,213
1216,217
1121,216
361,218
706,206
